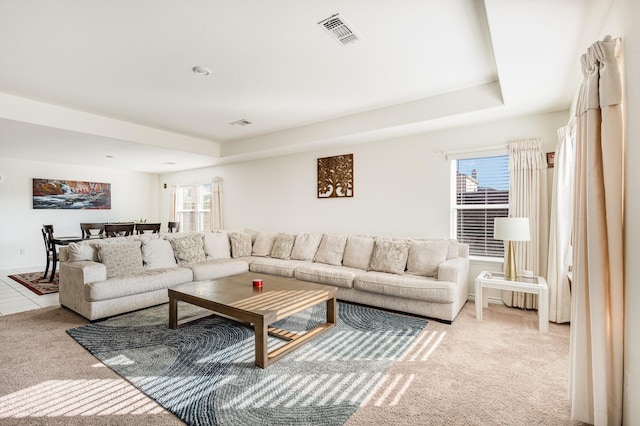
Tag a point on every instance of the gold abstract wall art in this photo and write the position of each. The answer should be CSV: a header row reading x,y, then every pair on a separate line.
x,y
335,176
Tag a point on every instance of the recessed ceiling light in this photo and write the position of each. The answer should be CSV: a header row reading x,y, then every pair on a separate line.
x,y
200,70
170,163
110,156
241,123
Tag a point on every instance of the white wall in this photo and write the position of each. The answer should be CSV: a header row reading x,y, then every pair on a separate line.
x,y
622,22
401,186
133,196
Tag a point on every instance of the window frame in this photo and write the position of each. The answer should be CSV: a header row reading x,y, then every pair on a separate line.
x,y
454,197
199,210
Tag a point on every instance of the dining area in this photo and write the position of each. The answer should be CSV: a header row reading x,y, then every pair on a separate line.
x,y
97,230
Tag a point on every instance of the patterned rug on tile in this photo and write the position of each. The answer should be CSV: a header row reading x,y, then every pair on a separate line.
x,y
204,372
35,282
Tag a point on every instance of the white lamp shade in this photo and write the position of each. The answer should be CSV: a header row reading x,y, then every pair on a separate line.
x,y
511,229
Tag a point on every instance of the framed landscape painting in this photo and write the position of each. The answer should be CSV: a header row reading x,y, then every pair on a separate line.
x,y
71,194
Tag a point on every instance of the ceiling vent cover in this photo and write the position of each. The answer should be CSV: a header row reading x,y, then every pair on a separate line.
x,y
336,26
241,123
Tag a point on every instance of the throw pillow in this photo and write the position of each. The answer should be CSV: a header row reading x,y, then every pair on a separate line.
x,y
240,244
358,251
157,254
331,249
216,245
82,251
425,256
121,259
305,246
189,249
389,256
263,243
283,245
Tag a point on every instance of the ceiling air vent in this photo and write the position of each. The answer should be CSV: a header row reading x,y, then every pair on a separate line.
x,y
339,29
241,123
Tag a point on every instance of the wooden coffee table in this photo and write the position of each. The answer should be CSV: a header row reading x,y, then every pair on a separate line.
x,y
235,297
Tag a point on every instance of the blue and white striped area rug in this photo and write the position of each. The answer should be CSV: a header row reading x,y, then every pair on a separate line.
x,y
204,372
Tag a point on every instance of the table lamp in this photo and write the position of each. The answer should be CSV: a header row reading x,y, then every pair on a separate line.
x,y
511,229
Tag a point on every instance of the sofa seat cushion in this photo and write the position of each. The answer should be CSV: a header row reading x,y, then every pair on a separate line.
x,y
406,286
271,266
217,268
156,279
339,276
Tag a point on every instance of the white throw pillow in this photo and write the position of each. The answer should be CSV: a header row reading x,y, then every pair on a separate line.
x,y
305,246
358,251
264,243
425,256
83,250
217,246
331,249
157,254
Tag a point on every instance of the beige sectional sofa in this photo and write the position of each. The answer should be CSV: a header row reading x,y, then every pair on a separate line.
x,y
423,276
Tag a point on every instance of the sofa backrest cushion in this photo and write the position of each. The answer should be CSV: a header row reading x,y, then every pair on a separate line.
x,y
283,245
389,256
83,250
263,243
121,259
240,244
331,249
157,254
216,245
425,256
188,249
305,246
357,252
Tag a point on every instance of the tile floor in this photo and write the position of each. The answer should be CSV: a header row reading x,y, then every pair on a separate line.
x,y
14,297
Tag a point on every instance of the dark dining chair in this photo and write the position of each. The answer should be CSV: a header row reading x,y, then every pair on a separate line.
x,y
50,250
174,226
118,229
92,230
154,228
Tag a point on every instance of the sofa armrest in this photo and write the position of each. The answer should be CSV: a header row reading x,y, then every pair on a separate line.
x,y
73,278
455,270
82,272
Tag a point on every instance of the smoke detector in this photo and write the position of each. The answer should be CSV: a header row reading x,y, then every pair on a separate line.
x,y
337,27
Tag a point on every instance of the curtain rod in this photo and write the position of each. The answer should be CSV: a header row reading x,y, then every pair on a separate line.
x,y
470,150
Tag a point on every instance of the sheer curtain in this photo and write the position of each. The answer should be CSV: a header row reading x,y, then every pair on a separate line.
x,y
173,202
528,198
597,311
217,222
560,227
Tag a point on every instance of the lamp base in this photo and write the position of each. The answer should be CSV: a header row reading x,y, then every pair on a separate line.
x,y
510,272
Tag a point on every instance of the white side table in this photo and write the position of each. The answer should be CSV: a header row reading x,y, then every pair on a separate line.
x,y
534,285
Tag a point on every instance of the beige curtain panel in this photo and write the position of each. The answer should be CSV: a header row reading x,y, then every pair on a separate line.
x,y
528,198
597,317
217,223
560,227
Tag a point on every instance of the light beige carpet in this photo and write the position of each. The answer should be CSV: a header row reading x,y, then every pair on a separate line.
x,y
498,371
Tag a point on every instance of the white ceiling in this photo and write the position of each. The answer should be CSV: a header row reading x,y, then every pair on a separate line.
x,y
83,79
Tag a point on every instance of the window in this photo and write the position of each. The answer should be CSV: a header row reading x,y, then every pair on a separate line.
x,y
481,188
193,207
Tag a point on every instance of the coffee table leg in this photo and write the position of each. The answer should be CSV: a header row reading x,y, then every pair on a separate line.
x,y
260,330
173,313
331,310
